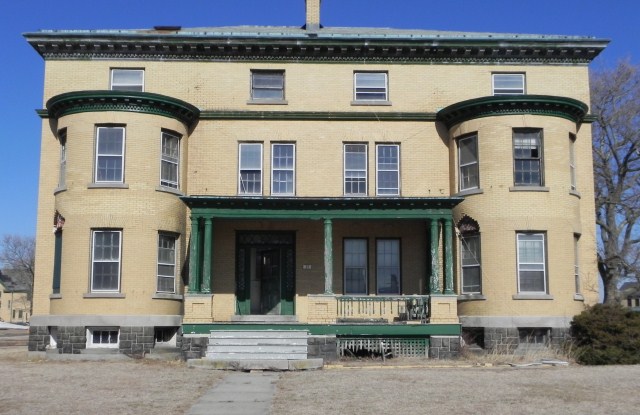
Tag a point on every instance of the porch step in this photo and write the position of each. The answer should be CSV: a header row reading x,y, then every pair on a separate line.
x,y
257,345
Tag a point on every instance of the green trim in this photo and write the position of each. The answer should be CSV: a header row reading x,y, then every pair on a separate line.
x,y
320,208
318,116
554,106
130,101
335,329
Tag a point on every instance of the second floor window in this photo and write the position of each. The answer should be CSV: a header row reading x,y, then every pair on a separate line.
x,y
62,137
267,85
388,166
572,161
283,169
250,169
508,83
527,157
468,163
170,160
110,154
370,86
127,80
355,169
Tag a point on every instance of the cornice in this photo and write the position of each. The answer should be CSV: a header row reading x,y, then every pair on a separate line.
x,y
69,46
128,101
563,107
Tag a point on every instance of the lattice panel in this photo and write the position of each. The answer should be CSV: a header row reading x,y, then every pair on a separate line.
x,y
387,346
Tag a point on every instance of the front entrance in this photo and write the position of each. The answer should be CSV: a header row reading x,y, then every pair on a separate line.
x,y
265,273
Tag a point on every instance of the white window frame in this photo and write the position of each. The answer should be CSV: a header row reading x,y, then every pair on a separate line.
x,y
464,247
368,93
124,86
168,159
528,266
99,155
347,172
91,344
363,267
62,173
94,260
173,264
508,91
256,73
576,262
473,166
532,133
572,161
274,170
381,269
390,191
242,191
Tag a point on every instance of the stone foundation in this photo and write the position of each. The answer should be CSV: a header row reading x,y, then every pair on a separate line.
x,y
322,347
194,347
444,347
506,340
39,338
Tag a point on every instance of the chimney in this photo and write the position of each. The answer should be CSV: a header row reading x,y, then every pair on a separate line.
x,y
313,14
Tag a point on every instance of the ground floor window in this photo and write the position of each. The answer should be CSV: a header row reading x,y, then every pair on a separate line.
x,y
355,266
388,266
102,337
531,263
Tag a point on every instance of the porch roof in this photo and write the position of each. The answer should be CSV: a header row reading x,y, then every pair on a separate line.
x,y
321,208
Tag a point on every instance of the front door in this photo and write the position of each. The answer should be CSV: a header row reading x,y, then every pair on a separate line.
x,y
265,273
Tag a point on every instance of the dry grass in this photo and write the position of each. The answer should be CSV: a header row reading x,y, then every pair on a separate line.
x,y
123,387
465,390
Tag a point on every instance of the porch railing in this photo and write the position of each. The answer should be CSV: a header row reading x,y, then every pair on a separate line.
x,y
389,308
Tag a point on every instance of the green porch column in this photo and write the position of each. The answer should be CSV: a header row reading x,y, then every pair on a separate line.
x,y
448,257
434,280
194,256
206,266
328,256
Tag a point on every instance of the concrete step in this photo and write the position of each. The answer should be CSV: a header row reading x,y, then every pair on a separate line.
x,y
298,341
256,356
257,345
257,334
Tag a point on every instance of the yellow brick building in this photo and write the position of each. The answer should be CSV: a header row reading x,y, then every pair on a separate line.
x,y
357,183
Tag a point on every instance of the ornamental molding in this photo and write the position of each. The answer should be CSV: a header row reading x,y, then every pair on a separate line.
x,y
547,105
127,101
62,46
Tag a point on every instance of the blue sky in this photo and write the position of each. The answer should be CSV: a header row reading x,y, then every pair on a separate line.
x,y
21,68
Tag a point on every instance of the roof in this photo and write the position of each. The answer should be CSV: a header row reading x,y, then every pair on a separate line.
x,y
14,280
327,43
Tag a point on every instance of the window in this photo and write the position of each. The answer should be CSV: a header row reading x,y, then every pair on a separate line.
x,y
283,169
170,160
165,336
62,137
370,86
531,263
572,160
103,337
267,85
105,270
57,262
355,169
533,335
388,266
388,165
508,84
468,163
576,262
110,154
127,80
527,157
250,175
470,259
355,266
166,263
